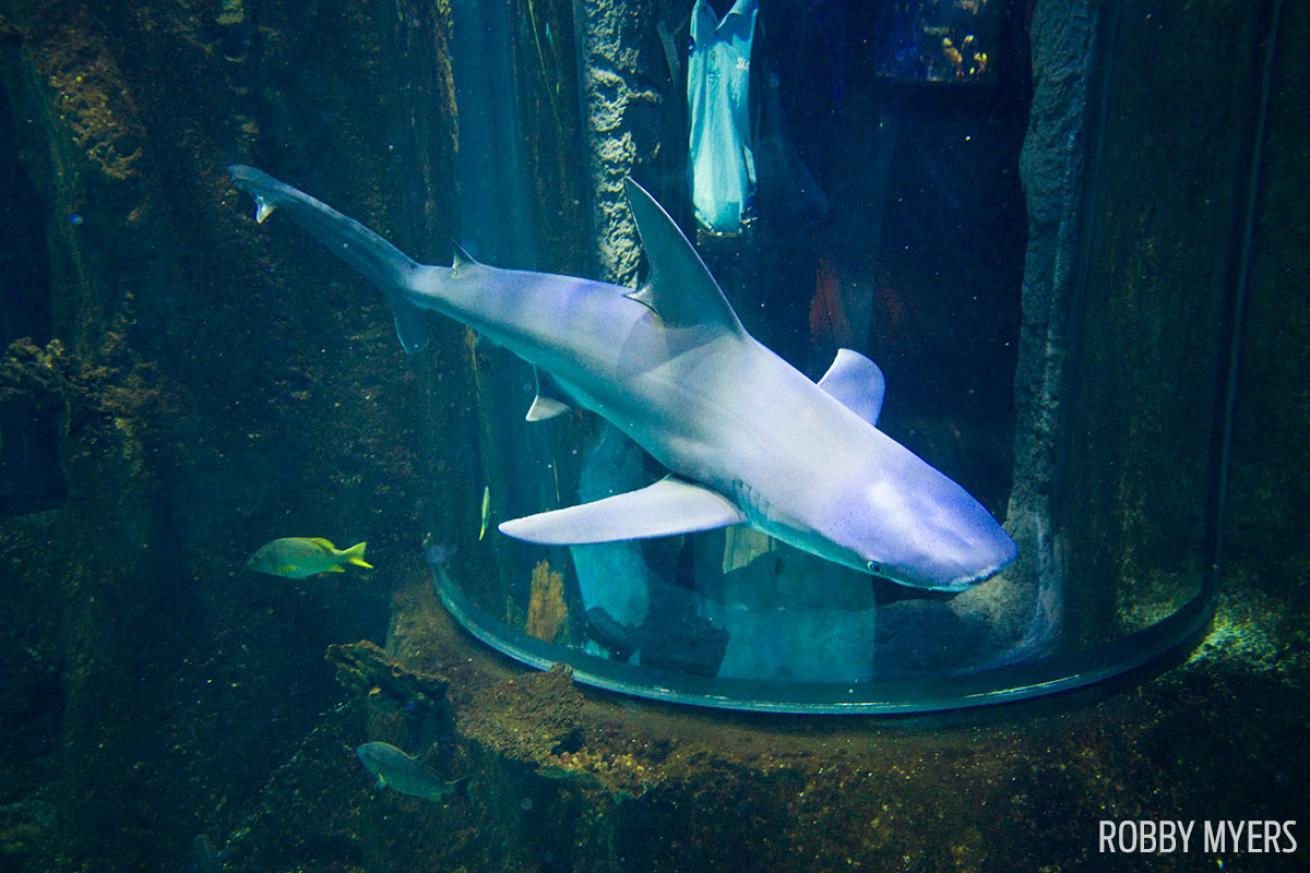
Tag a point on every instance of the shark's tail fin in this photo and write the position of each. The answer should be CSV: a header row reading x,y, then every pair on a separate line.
x,y
378,260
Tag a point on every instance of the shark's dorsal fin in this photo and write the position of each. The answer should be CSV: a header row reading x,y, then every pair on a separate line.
x,y
549,401
462,258
668,507
857,383
679,288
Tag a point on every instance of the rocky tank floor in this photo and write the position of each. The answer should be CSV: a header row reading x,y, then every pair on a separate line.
x,y
568,778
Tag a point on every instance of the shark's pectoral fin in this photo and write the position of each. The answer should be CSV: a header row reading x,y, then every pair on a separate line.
x,y
680,288
545,408
549,401
857,382
668,507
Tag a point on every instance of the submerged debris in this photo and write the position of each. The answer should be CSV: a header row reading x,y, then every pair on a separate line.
x,y
531,717
364,666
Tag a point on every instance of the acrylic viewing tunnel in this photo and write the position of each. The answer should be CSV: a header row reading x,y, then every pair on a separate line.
x,y
1071,374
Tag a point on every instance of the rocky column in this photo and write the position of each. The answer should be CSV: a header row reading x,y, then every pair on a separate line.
x,y
1053,168
619,59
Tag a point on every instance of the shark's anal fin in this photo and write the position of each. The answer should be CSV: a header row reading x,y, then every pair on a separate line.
x,y
670,506
857,382
680,288
549,401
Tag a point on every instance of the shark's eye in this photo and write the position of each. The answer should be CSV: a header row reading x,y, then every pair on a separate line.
x,y
875,567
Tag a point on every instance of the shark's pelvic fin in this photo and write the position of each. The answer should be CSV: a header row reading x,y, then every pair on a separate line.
x,y
857,383
378,260
549,401
412,328
679,288
668,507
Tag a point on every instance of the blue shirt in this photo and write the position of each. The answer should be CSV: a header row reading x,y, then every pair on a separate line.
x,y
718,101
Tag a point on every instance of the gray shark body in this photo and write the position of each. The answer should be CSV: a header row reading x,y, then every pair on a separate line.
x,y
747,437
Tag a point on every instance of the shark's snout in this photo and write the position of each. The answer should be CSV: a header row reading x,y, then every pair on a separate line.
x,y
921,529
958,545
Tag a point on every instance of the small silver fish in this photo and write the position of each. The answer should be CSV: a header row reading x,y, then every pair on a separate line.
x,y
403,773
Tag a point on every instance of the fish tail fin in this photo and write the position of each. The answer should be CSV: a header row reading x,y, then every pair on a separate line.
x,y
378,260
355,555
460,788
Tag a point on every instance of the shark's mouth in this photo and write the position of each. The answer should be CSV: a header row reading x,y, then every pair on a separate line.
x,y
955,585
983,576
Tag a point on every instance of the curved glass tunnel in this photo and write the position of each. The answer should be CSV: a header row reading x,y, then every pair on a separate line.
x,y
1006,249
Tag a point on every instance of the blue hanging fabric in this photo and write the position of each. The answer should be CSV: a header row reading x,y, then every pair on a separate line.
x,y
718,101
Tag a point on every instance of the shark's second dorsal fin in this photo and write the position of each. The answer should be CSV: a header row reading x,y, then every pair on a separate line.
x,y
857,383
668,507
462,258
680,288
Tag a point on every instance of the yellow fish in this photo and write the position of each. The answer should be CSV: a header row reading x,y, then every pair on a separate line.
x,y
298,557
486,511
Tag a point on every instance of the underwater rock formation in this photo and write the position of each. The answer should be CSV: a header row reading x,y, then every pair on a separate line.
x,y
619,57
1053,164
1267,531
567,779
184,356
365,669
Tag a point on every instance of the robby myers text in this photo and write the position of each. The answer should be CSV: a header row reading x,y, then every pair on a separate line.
x,y
1170,836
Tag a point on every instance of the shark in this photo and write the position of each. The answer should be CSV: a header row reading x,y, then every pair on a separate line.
x,y
745,436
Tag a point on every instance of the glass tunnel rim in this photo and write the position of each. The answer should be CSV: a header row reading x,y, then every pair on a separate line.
x,y
1048,674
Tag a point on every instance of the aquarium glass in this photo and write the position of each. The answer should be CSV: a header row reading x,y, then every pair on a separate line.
x,y
879,205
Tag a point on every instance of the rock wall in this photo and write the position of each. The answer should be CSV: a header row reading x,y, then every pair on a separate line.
x,y
1025,605
1148,351
1136,207
1266,540
213,388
